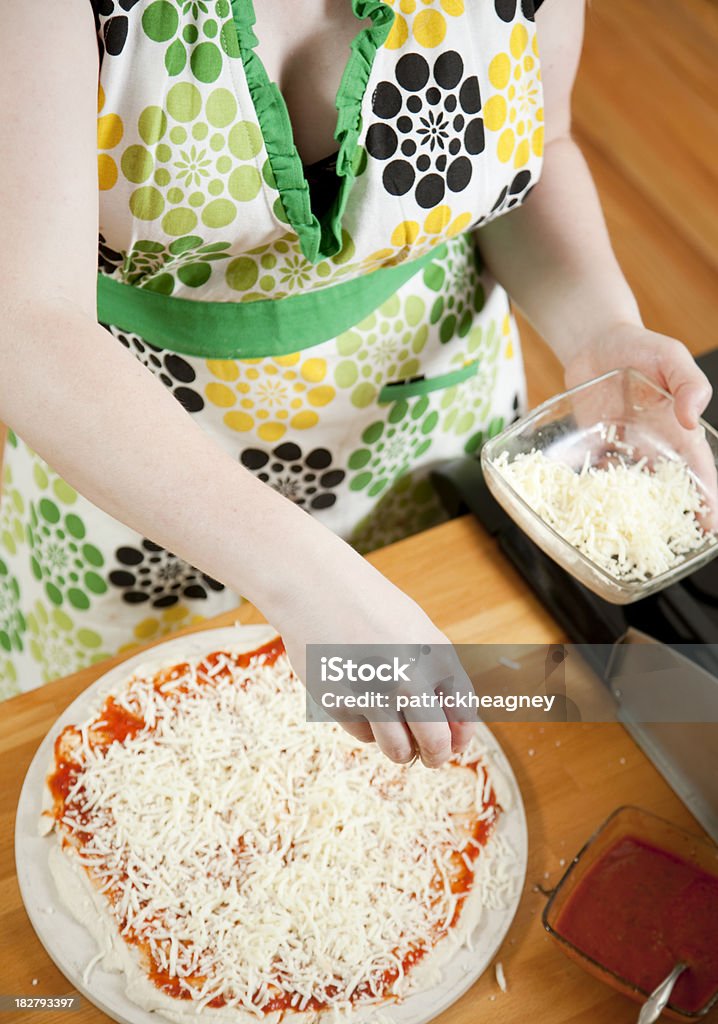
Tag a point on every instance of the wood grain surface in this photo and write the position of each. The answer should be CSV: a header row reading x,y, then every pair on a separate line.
x,y
646,116
571,776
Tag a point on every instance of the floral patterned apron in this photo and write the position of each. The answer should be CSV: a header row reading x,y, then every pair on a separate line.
x,y
339,359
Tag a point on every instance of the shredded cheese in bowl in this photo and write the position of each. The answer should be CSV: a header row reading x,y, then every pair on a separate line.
x,y
633,520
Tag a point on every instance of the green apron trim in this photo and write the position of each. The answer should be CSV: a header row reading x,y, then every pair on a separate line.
x,y
319,240
249,330
394,392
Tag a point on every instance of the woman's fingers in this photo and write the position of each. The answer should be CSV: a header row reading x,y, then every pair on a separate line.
x,y
399,692
689,386
699,457
360,730
692,391
432,740
401,742
462,724
671,366
395,741
462,734
444,729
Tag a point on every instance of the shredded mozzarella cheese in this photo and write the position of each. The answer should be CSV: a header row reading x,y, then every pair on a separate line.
x,y
632,520
253,855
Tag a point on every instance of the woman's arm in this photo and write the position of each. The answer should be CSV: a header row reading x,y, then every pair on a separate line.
x,y
554,257
109,426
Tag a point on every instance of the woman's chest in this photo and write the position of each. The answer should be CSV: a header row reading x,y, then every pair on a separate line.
x,y
438,122
305,49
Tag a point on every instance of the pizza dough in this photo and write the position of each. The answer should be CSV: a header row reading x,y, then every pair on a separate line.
x,y
239,863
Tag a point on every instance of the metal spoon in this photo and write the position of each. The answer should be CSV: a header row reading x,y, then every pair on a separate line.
x,y
658,999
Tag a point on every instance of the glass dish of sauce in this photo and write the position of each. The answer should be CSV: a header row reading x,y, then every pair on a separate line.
x,y
641,896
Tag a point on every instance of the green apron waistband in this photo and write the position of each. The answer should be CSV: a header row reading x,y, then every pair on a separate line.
x,y
249,330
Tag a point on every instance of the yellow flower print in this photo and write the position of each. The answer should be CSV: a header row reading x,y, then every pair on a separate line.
x,y
428,25
154,628
399,32
109,134
507,337
269,395
410,239
515,110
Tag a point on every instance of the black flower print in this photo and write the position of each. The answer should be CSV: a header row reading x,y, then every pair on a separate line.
x,y
506,9
428,129
108,259
112,24
150,573
435,127
308,480
513,194
510,195
174,371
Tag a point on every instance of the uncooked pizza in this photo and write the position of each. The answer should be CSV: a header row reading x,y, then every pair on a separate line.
x,y
237,862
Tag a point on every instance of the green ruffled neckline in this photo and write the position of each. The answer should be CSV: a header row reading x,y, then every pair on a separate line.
x,y
319,239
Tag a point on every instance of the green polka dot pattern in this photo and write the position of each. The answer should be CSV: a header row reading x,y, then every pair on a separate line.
x,y
62,559
453,277
57,644
9,684
408,506
12,623
469,403
199,43
188,260
280,268
385,346
389,447
12,539
183,170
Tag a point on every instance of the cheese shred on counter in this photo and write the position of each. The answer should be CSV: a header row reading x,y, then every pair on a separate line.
x,y
632,520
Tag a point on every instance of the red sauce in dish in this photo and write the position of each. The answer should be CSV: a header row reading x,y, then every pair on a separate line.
x,y
639,910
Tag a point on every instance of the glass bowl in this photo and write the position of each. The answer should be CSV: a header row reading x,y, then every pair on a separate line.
x,y
621,414
642,825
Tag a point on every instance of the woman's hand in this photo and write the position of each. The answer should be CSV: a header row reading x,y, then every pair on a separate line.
x,y
663,360
669,364
347,601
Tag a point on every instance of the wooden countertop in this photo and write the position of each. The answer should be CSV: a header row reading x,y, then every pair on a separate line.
x,y
571,776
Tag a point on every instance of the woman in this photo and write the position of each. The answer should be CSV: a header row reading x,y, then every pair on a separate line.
x,y
303,283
